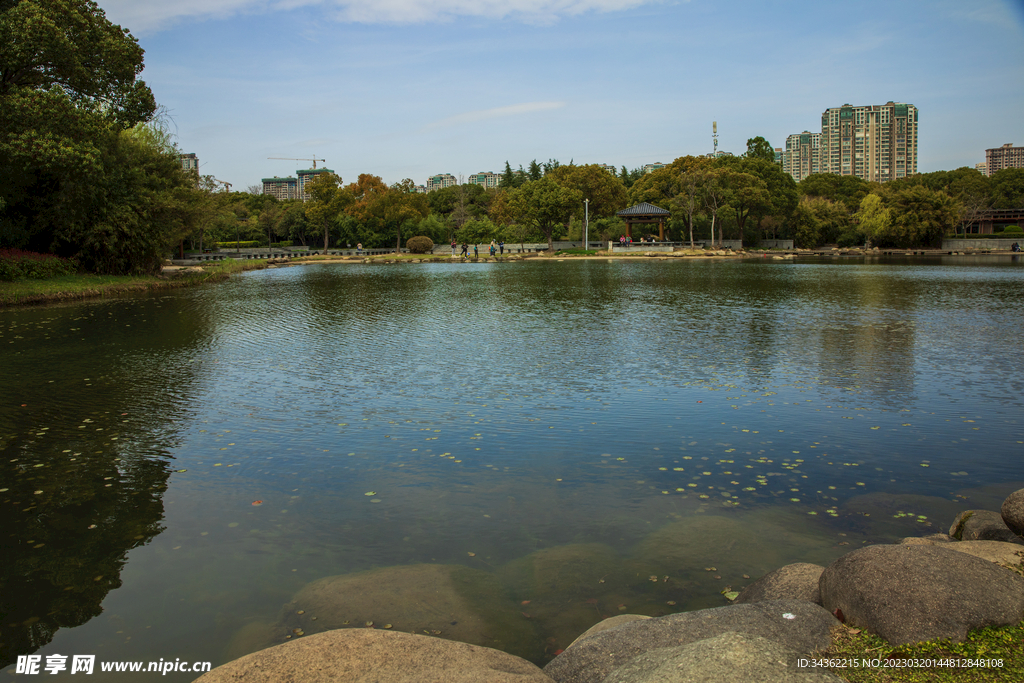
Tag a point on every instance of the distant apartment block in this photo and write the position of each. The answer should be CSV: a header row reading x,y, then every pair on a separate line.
x,y
648,168
611,169
189,163
419,189
1006,156
874,142
802,155
981,168
306,175
780,156
441,181
485,179
281,188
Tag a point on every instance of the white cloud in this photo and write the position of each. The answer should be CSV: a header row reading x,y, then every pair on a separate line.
x,y
498,112
142,16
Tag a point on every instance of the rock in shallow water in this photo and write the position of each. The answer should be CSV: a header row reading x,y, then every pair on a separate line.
x,y
1012,512
797,581
982,525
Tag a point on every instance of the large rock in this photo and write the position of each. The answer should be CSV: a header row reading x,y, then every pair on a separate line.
x,y
797,581
611,622
911,593
370,656
982,525
450,601
1007,555
1012,512
798,626
726,658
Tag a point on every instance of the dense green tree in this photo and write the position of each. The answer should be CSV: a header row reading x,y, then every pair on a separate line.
x,y
387,210
920,217
543,204
68,91
629,177
535,171
874,219
692,181
806,226
1008,188
606,193
759,148
844,188
327,202
833,219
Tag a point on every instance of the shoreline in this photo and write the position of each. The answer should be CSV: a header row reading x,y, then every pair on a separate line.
x,y
81,287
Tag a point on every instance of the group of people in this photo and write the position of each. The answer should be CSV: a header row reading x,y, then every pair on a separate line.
x,y
496,247
627,240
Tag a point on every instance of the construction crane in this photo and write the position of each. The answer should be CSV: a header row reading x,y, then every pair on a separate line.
x,y
227,186
314,159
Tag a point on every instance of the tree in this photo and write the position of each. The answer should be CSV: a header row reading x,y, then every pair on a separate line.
x,y
919,217
874,219
535,172
1008,188
327,202
759,148
69,96
745,193
844,188
692,181
388,208
606,193
543,204
715,198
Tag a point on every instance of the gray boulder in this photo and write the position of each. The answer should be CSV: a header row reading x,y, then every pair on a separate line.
x,y
726,658
1013,512
797,581
798,626
371,655
982,525
911,593
1007,555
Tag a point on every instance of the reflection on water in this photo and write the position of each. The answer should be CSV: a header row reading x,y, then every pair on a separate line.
x,y
587,437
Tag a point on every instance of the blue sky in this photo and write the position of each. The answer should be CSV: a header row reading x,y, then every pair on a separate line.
x,y
409,88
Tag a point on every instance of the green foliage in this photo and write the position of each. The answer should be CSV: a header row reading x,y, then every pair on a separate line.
x,y
80,177
759,148
606,193
16,264
419,245
327,202
849,190
477,232
1013,229
874,220
919,217
1008,188
237,245
806,227
543,204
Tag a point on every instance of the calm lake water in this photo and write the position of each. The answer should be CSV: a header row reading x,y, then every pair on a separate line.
x,y
563,441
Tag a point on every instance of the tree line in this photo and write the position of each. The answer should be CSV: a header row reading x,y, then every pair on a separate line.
x,y
88,171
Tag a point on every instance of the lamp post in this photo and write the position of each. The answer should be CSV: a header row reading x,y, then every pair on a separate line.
x,y
586,224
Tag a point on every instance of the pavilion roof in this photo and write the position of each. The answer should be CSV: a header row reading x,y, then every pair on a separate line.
x,y
643,209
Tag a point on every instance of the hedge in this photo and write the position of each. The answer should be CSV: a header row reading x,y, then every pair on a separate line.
x,y
16,264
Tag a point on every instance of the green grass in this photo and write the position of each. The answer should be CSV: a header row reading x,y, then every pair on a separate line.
x,y
1004,643
71,287
579,251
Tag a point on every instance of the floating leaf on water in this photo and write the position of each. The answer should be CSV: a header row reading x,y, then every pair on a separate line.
x,y
671,602
369,624
386,626
370,493
471,554
257,503
301,611
731,595
622,608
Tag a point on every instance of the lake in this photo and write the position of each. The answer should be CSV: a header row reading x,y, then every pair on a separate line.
x,y
543,444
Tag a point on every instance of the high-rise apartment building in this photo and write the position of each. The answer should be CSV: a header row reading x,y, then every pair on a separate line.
x,y
281,188
1006,156
875,142
611,169
306,175
803,155
981,168
441,181
650,168
486,179
189,163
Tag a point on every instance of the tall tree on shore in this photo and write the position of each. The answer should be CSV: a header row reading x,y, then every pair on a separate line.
x,y
327,202
543,204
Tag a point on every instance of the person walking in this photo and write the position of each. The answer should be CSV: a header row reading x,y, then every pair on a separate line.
x,y
454,244
501,246
465,250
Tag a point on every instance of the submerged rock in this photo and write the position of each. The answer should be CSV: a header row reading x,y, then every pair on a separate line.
x,y
449,601
982,525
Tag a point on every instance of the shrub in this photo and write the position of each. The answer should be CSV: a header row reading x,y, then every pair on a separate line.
x,y
420,245
1013,229
17,264
244,244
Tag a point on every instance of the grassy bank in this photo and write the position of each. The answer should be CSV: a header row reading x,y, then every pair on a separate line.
x,y
960,661
72,287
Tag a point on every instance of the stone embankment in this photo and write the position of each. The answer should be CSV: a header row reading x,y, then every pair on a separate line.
x,y
934,587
